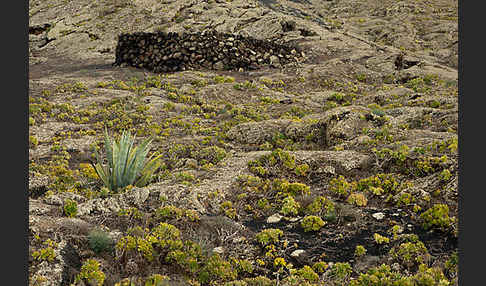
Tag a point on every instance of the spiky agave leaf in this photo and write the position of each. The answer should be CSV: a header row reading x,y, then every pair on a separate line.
x,y
124,146
101,172
137,159
148,170
109,158
130,172
106,172
114,170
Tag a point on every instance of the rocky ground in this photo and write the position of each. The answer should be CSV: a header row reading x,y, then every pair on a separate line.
x,y
338,170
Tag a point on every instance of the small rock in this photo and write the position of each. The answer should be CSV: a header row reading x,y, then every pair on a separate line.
x,y
288,26
400,91
218,65
131,267
378,216
191,163
38,208
239,239
297,253
366,262
218,250
274,61
53,200
329,170
76,197
115,235
274,218
186,88
395,267
38,182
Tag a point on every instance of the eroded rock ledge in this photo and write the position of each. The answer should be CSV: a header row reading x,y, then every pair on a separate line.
x,y
166,52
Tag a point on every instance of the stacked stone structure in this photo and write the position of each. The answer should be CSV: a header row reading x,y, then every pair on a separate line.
x,y
168,52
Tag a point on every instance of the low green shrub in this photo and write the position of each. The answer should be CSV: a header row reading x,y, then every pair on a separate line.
x,y
323,207
70,208
379,239
312,223
410,254
47,253
357,199
211,154
437,217
320,266
307,273
290,206
270,235
217,269
341,187
359,251
168,212
157,280
340,272
90,272
379,276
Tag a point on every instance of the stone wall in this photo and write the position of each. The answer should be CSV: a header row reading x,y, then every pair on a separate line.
x,y
166,52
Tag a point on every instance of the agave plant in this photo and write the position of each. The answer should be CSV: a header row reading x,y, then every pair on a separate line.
x,y
127,164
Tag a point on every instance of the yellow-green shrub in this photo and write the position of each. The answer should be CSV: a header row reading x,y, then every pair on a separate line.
x,y
312,223
91,273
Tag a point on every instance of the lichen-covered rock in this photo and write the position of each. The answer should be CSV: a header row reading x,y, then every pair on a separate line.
x,y
38,208
257,132
340,161
38,184
275,218
135,197
312,130
344,123
53,200
424,118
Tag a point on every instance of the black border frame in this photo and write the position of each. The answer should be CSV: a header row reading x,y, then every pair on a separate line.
x,y
15,210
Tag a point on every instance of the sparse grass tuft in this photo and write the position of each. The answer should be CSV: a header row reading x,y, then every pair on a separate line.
x,y
100,241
